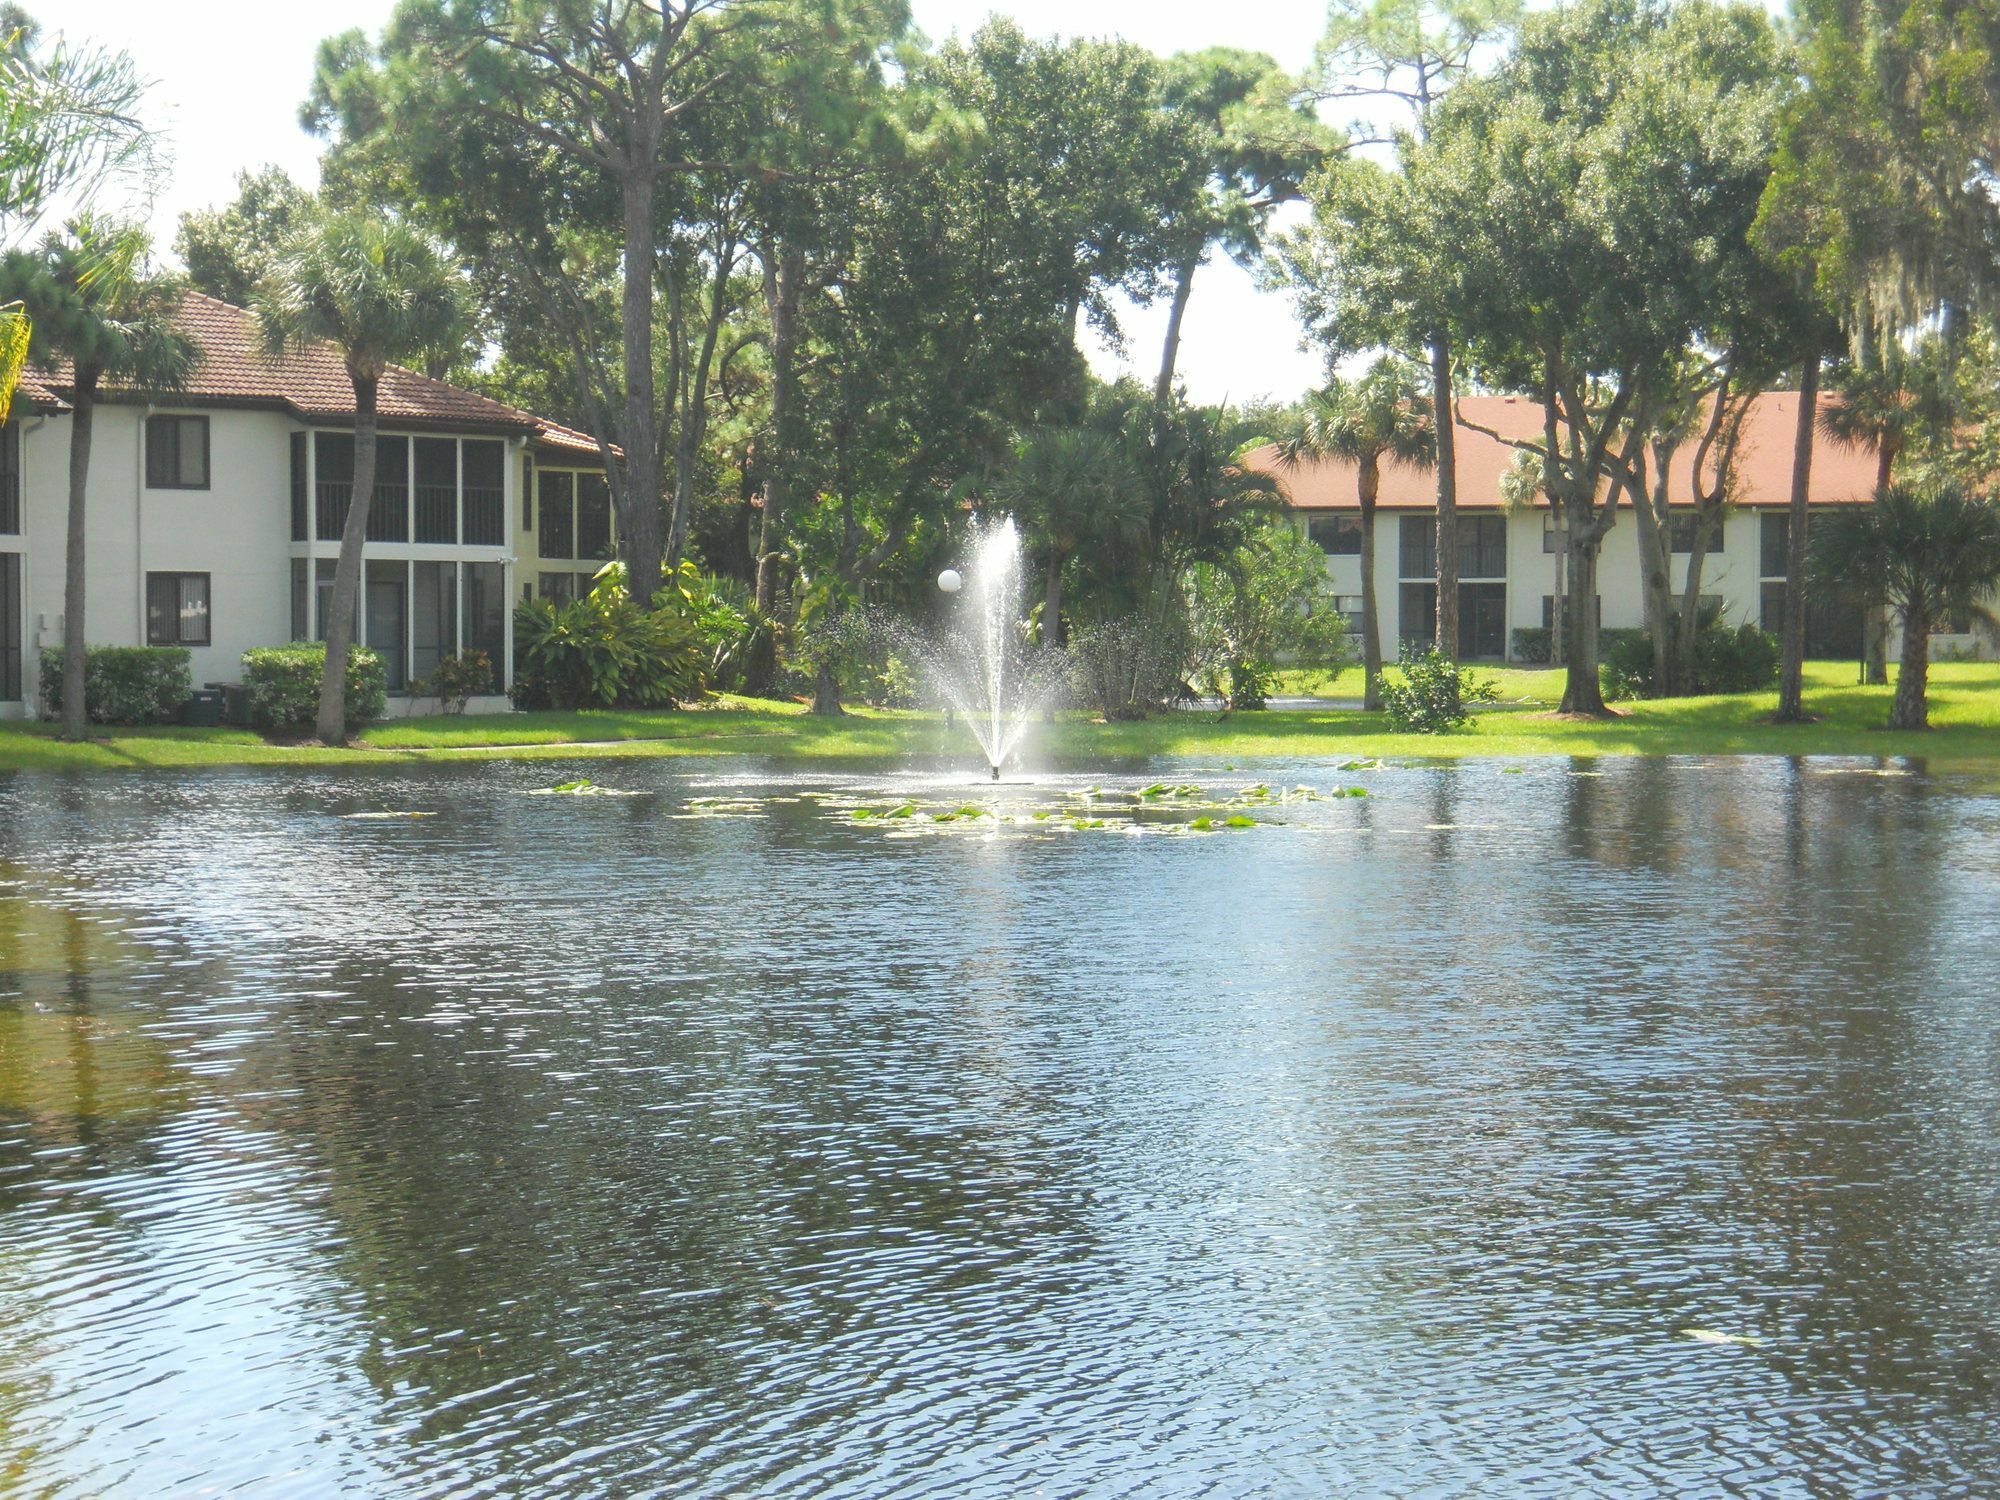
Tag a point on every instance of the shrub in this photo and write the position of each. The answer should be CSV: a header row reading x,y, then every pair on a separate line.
x,y
457,680
123,684
1434,693
283,683
1742,660
603,651
1534,645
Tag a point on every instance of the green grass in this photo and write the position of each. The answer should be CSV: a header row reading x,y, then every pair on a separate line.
x,y
1965,707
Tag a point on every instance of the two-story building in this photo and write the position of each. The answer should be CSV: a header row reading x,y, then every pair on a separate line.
x,y
1510,558
215,514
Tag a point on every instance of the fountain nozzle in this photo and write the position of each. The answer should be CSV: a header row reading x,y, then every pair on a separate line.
x,y
996,771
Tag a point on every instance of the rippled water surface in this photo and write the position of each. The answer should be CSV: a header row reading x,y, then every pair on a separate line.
x,y
1510,1129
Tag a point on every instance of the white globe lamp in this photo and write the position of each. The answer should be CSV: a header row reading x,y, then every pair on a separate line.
x,y
950,581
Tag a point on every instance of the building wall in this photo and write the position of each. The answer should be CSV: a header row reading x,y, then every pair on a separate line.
x,y
238,531
1731,571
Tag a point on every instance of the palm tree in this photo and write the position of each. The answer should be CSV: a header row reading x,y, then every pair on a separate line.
x,y
91,303
1068,486
1928,553
1383,415
382,293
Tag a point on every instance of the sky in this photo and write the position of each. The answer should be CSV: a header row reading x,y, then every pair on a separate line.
x,y
229,108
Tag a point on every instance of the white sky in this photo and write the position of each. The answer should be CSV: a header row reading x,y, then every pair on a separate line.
x,y
229,107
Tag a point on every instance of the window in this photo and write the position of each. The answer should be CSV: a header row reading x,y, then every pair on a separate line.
x,y
177,609
333,483
10,480
1549,611
1776,545
177,453
389,515
1336,536
1771,607
10,627
1482,546
301,601
593,516
484,626
1417,548
483,464
1681,528
436,490
298,487
1554,537
527,492
557,534
1349,605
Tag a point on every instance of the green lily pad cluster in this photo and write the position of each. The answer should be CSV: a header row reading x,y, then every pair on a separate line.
x,y
583,787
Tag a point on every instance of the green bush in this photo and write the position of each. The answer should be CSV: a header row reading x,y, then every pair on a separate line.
x,y
1433,694
283,683
1743,660
1534,645
123,684
603,651
457,680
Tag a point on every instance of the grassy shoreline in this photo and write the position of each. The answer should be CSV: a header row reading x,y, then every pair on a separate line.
x,y
1965,708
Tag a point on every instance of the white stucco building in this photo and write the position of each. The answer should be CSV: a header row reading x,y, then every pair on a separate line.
x,y
1508,558
215,514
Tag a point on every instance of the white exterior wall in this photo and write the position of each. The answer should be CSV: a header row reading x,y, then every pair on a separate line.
x,y
238,531
1729,569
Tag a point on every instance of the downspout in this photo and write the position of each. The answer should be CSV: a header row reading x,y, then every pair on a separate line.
x,y
139,521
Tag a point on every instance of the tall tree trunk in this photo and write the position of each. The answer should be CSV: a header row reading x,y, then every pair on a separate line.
x,y
75,703
644,522
1582,694
1447,492
784,270
1052,592
1912,706
1656,586
1687,619
1371,616
1170,352
826,692
347,572
1791,670
1875,619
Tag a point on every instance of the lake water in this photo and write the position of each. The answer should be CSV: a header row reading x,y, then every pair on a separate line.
x,y
1540,1129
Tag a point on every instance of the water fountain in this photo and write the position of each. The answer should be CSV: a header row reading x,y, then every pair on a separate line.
x,y
982,664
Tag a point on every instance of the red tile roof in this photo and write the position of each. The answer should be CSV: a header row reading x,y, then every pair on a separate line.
x,y
312,384
33,393
1763,463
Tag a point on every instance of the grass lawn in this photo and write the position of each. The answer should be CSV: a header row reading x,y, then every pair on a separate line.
x,y
1965,707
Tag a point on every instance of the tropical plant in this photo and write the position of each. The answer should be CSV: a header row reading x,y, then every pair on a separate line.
x,y
1385,415
92,302
1266,604
381,293
1930,554
457,680
283,684
1068,487
1431,693
125,684
605,651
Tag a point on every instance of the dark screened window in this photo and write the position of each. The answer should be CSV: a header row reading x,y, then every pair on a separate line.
x,y
1776,545
177,609
10,480
557,534
389,516
299,508
1336,536
1680,532
593,516
1417,547
10,627
1549,610
528,492
177,453
333,483
435,493
1482,546
484,466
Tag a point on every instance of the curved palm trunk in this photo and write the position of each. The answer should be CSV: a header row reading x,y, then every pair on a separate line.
x,y
784,271
1912,706
644,522
347,572
826,693
1791,671
1371,618
1875,619
75,703
1447,490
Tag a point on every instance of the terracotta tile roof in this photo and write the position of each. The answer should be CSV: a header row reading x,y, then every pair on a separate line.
x,y
312,384
1764,463
36,395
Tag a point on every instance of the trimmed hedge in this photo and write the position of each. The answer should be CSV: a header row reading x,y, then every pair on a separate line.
x,y
283,683
123,684
1743,660
1532,645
